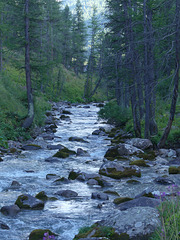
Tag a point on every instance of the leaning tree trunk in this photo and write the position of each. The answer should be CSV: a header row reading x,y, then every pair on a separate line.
x,y
29,120
176,80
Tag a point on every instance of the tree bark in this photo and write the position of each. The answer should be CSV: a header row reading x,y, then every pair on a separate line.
x,y
29,120
176,80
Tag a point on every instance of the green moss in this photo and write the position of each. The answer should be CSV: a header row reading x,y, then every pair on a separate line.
x,y
100,181
64,153
101,231
19,202
140,163
174,170
38,234
113,173
132,181
73,175
53,199
42,196
111,192
121,200
148,155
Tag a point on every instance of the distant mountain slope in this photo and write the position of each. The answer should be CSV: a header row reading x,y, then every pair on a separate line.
x,y
87,6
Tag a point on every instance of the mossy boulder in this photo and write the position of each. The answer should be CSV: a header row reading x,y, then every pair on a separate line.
x,y
38,234
174,170
121,200
61,180
27,201
113,153
140,143
64,153
117,171
42,196
102,232
140,163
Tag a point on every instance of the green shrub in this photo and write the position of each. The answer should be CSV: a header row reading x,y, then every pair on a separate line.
x,y
115,114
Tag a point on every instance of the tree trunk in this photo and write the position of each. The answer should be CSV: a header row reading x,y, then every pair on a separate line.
x,y
176,81
29,120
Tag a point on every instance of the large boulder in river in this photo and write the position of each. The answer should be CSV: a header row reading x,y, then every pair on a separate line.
x,y
117,171
67,193
137,222
27,201
140,143
121,150
167,153
39,234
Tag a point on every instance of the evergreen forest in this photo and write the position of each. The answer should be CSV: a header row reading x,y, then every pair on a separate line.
x,y
130,60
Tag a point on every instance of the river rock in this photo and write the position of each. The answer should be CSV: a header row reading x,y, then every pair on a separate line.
x,y
100,196
61,181
77,139
66,112
11,210
143,144
138,223
167,153
67,193
82,153
42,196
52,160
4,226
139,202
92,182
127,149
117,170
64,117
27,201
15,185
55,147
51,176
1,160
164,181
47,136
31,147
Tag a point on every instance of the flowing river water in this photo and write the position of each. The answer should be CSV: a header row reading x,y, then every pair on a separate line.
x,y
64,216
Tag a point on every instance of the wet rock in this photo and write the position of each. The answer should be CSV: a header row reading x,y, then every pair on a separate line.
x,y
146,193
48,136
117,171
64,117
86,106
167,153
175,161
15,185
92,182
81,152
61,181
11,210
133,181
1,160
67,193
138,223
143,144
27,201
96,132
66,112
4,226
111,192
64,153
164,181
161,161
139,202
100,196
77,139
39,234
42,196
86,176
51,176
100,105
31,147
55,147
